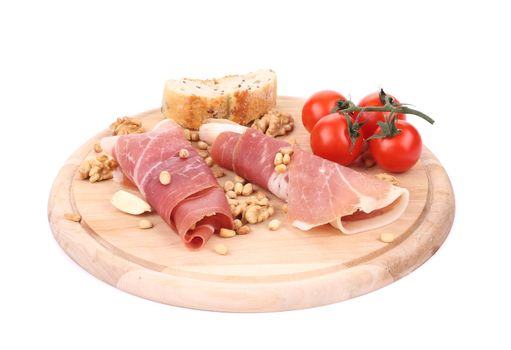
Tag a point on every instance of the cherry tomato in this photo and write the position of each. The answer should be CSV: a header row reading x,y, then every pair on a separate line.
x,y
371,119
330,139
319,105
397,153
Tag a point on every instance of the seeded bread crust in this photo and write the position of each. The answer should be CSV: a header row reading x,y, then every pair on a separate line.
x,y
240,98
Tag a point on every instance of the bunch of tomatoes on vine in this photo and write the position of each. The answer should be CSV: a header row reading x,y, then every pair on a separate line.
x,y
341,131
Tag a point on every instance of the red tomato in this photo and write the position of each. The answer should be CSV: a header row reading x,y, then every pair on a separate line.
x,y
371,119
400,152
319,105
330,139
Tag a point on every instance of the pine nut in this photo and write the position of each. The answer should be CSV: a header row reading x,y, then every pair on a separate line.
x,y
202,145
237,224
226,233
145,224
286,150
238,188
274,225
165,177
281,168
194,135
278,159
217,171
243,230
239,179
387,237
228,186
187,134
97,148
286,159
221,249
231,194
209,161
72,217
183,153
247,189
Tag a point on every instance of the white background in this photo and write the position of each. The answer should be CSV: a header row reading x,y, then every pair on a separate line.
x,y
68,69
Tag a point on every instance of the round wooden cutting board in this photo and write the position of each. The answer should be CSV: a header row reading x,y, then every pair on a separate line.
x,y
264,270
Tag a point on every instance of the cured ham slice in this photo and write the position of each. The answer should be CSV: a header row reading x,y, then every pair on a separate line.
x,y
192,203
317,190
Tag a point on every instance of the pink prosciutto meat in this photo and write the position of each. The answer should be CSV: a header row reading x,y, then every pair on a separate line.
x,y
193,203
318,191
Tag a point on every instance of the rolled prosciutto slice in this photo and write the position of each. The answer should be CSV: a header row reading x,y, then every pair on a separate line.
x,y
317,190
192,203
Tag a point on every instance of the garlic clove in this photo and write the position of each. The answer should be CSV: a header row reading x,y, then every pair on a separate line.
x,y
129,203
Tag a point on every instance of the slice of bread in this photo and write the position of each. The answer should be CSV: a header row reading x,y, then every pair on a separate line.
x,y
240,98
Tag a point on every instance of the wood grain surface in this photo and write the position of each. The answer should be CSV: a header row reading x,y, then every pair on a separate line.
x,y
264,270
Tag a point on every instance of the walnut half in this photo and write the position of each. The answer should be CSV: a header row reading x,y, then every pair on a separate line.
x,y
274,123
97,169
126,125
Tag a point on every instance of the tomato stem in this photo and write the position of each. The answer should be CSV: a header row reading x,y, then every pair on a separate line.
x,y
346,106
